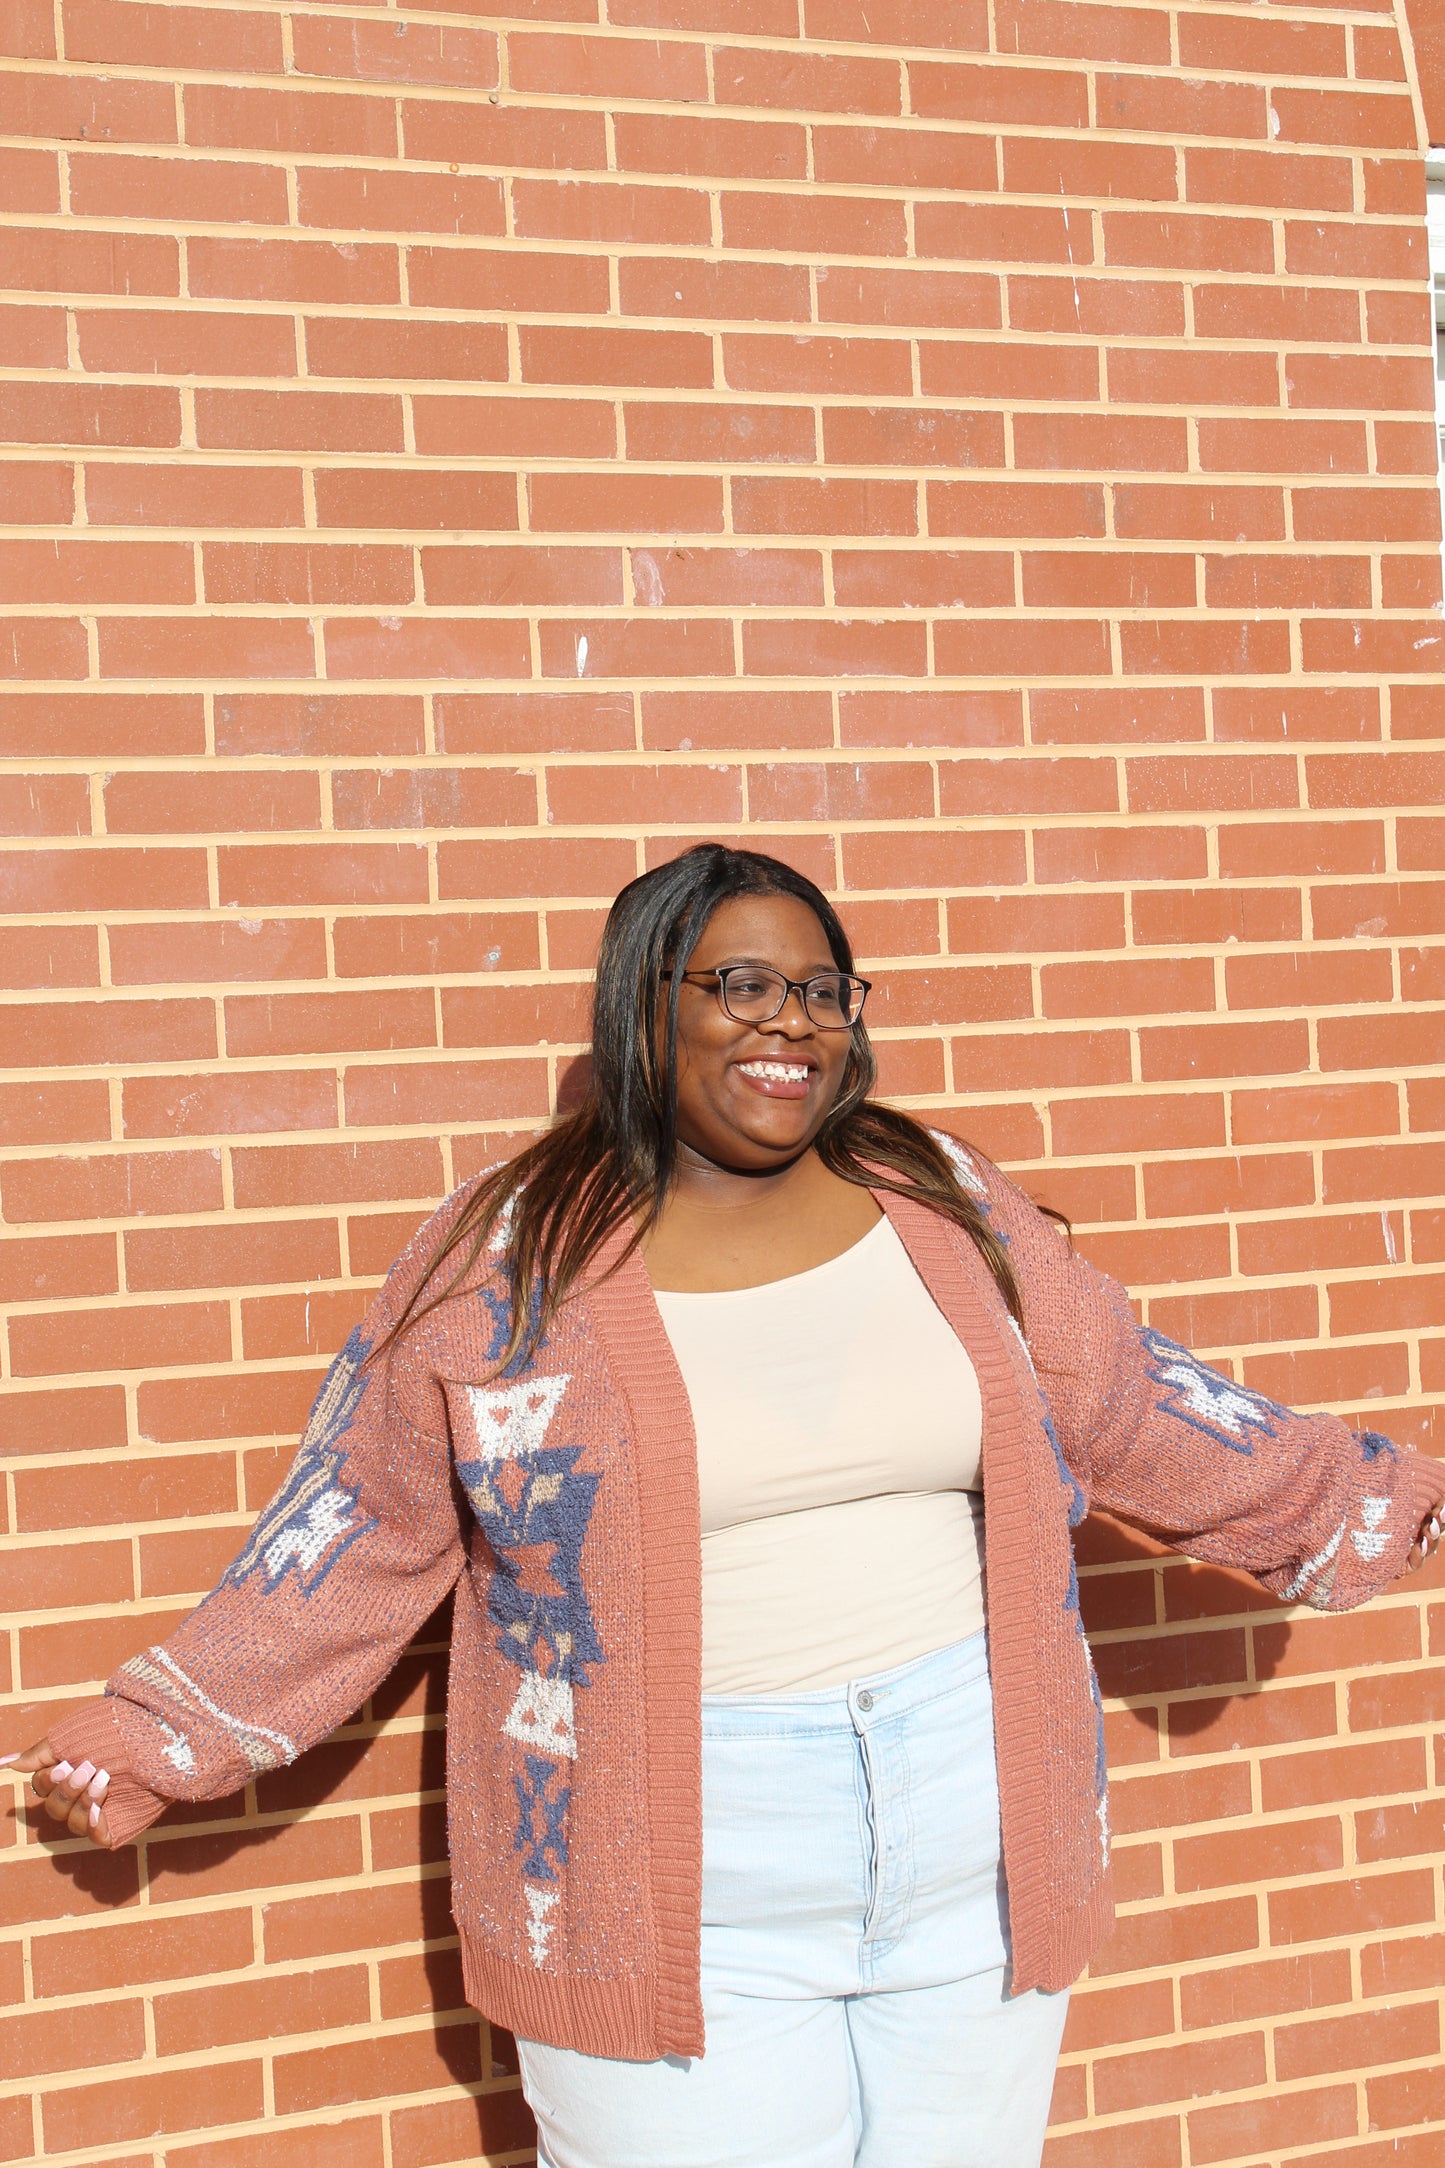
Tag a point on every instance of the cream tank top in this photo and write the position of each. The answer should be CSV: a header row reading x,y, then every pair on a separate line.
x,y
839,1438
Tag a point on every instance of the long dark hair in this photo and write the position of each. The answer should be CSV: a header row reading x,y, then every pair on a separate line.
x,y
615,1154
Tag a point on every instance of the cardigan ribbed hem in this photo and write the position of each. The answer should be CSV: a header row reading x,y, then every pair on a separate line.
x,y
613,2018
95,1734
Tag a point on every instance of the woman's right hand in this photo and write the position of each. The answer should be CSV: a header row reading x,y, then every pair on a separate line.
x,y
72,1796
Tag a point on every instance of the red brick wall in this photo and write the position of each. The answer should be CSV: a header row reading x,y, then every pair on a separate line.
x,y
979,451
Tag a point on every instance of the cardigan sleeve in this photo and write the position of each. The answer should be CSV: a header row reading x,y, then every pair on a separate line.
x,y
358,1545
1317,1512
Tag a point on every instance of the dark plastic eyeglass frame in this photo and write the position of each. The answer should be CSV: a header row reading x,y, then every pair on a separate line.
x,y
721,973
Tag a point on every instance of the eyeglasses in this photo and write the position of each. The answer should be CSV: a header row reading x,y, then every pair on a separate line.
x,y
754,994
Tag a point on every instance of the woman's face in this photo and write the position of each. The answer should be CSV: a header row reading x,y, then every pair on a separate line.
x,y
753,1096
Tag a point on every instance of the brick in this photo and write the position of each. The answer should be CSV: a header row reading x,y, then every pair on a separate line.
x,y
900,295
1269,178
115,1185
91,1883
1106,580
322,873
996,370
179,191
86,414
816,82
42,1577
424,2134
660,647
263,1253
829,363
1342,249
422,497
1222,42
113,1496
1360,118
1287,312
38,2042
198,2020
224,116
151,2106
601,211
1390,1968
194,343
1250,1856
1041,97
1029,510
401,52
823,225
1150,2077
227,1103
1187,1796
913,436
1403,1832
907,157
54,1268
358,2142
377,1916
336,1173
181,647
508,279
1225,2132
1325,1110
1003,233
80,108
175,38
852,647
193,495
1246,712
1135,2144
216,803
1312,1980
298,421
133,1337
1092,716
676,143
1136,307
273,1025
73,1111
268,572
257,1404
1179,1934
1187,512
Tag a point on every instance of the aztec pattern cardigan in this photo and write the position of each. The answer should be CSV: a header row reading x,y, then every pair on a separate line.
x,y
561,1502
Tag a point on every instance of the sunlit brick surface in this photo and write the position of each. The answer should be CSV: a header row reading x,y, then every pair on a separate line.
x,y
979,449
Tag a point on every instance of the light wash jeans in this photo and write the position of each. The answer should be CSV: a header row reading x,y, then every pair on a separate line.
x,y
854,1951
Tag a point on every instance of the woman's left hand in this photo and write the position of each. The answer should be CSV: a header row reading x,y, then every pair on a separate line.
x,y
1427,1480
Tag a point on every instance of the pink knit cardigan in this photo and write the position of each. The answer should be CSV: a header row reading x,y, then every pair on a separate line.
x,y
560,1500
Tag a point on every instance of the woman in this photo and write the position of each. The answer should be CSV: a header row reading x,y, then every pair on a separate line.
x,y
720,1406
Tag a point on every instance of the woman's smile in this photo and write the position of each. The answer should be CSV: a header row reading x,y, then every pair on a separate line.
x,y
777,1078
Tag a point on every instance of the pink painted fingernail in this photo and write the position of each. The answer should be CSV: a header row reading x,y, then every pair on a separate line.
x,y
81,1775
95,1817
100,1784
59,1772
6,1759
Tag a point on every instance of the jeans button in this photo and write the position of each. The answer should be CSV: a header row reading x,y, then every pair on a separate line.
x,y
865,1701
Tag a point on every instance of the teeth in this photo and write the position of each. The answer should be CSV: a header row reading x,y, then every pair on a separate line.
x,y
786,1071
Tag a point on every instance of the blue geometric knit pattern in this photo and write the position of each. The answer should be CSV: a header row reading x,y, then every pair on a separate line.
x,y
1201,1397
534,1504
534,1512
315,1516
541,1818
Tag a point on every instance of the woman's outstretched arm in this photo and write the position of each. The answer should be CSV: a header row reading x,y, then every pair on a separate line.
x,y
357,1547
1317,1512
